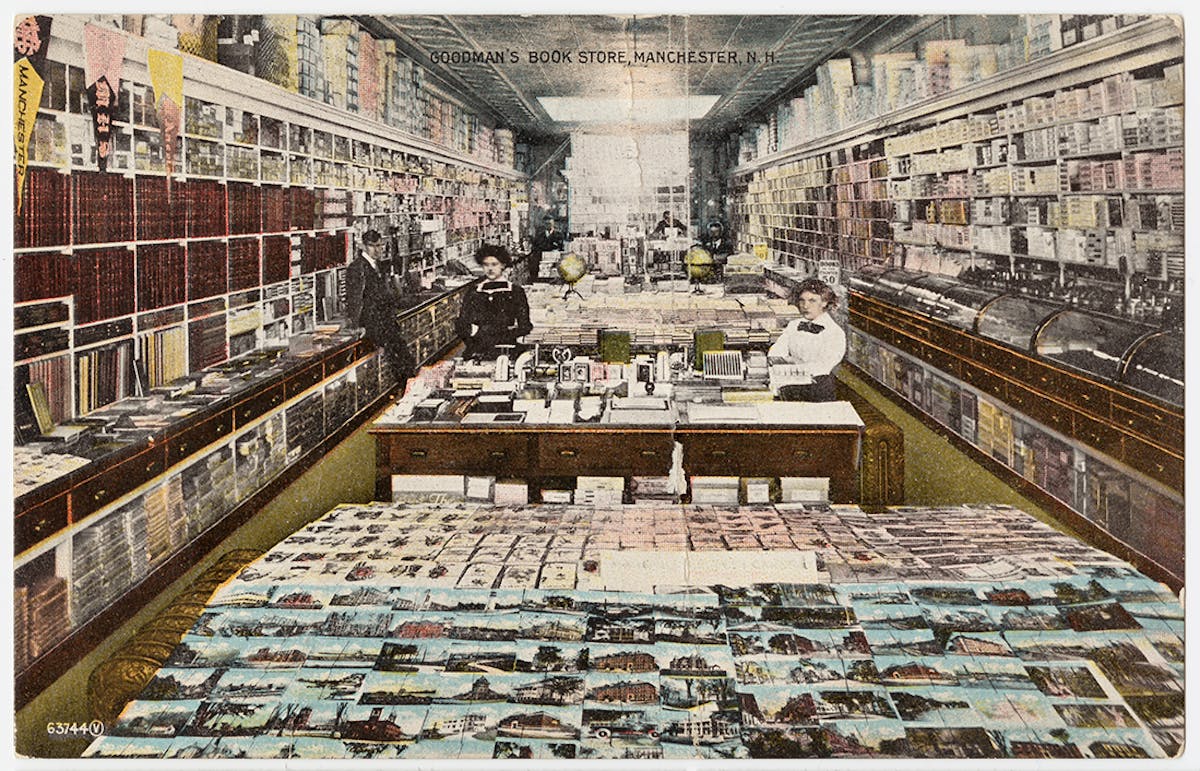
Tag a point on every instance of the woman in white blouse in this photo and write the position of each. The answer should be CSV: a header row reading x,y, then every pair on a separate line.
x,y
814,343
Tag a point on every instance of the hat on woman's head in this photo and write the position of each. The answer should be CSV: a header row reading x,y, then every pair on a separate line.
x,y
371,237
493,250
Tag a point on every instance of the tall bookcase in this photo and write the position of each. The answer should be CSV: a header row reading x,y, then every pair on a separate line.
x,y
1060,179
230,267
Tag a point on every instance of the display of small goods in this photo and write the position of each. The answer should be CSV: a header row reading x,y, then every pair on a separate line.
x,y
142,418
470,631
652,317
554,386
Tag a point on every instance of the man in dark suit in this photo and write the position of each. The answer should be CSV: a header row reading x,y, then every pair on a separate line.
x,y
372,302
548,240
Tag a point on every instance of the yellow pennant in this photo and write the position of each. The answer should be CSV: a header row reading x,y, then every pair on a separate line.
x,y
166,75
27,95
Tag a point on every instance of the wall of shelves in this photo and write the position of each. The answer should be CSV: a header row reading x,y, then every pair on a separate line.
x,y
1065,179
262,195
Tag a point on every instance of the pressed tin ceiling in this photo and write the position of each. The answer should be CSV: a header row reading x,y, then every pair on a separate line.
x,y
487,57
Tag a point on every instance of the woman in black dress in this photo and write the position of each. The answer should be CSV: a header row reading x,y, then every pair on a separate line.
x,y
495,312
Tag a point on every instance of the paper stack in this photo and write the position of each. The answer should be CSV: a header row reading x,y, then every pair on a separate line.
x,y
804,489
428,487
599,490
722,491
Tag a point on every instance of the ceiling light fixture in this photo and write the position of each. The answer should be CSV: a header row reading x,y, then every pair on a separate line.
x,y
664,109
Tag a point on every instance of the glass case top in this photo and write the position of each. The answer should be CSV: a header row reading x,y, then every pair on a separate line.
x,y
1093,344
1155,367
865,278
1013,320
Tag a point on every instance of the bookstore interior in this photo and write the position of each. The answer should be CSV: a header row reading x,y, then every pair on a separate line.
x,y
668,387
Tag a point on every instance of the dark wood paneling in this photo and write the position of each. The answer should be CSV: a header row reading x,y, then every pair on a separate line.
x,y
1148,420
40,522
192,439
254,407
455,452
304,379
1095,414
114,481
588,453
1160,464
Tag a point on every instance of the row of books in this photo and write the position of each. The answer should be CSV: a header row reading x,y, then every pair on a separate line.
x,y
162,355
41,617
104,375
1082,109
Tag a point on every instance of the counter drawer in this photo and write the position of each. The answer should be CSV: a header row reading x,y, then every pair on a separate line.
x,y
339,361
1148,421
1161,465
40,522
500,454
774,453
607,453
304,380
194,439
258,405
115,481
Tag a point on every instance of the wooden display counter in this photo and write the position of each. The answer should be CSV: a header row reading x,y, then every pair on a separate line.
x,y
825,441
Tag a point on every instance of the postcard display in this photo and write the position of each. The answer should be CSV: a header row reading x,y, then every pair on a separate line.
x,y
219,251
476,631
1065,189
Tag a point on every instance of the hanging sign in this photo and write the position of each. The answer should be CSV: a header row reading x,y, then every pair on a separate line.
x,y
166,78
30,41
104,53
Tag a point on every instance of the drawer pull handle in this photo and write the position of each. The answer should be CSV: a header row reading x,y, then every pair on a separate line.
x,y
718,453
499,453
40,526
649,453
98,494
149,467
568,453
419,453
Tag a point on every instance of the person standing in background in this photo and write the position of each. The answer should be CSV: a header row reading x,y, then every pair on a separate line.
x,y
667,221
717,244
814,342
549,240
372,302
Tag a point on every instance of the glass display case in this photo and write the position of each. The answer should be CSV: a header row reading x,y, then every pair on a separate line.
x,y
891,285
1091,344
864,279
1155,366
1108,349
961,305
1014,320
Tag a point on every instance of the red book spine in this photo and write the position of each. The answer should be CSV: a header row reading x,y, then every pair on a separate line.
x,y
277,257
207,264
243,263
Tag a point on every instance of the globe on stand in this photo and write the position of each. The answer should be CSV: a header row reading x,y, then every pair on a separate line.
x,y
699,265
571,269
